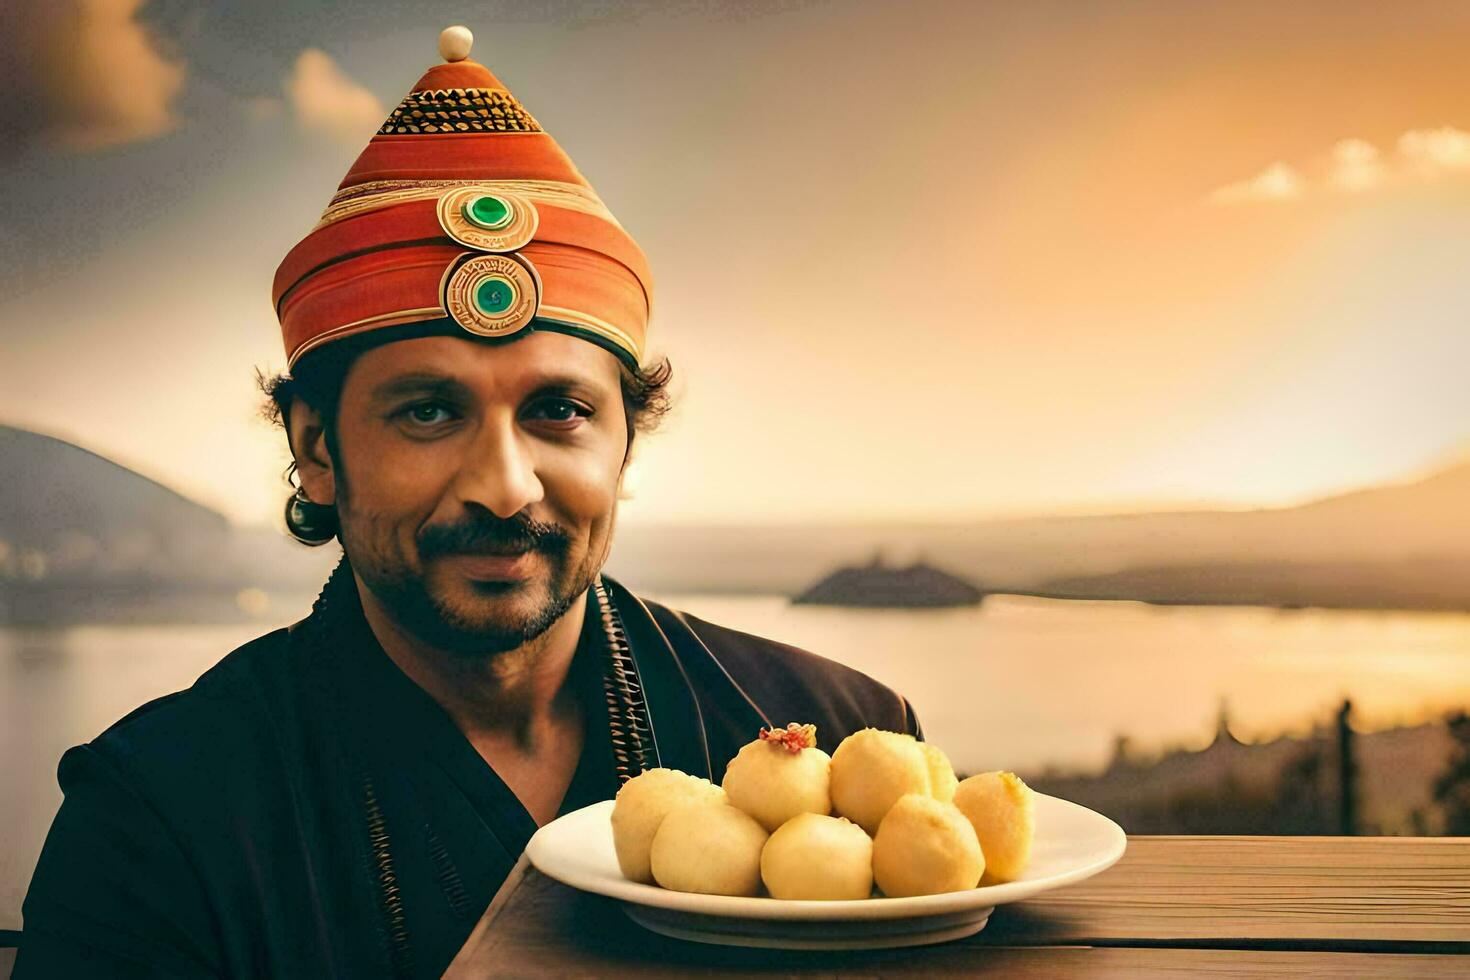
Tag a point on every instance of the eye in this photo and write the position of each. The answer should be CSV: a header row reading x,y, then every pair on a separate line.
x,y
426,413
560,410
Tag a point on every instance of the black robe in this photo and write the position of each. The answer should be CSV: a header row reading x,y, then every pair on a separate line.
x,y
305,809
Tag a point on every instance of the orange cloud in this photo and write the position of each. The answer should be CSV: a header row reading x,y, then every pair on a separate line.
x,y
1356,165
1277,182
86,75
1432,152
327,101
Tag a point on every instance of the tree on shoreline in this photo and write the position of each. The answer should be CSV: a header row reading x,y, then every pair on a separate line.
x,y
1452,788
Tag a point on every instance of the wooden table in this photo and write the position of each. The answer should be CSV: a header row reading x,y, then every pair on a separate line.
x,y
1173,906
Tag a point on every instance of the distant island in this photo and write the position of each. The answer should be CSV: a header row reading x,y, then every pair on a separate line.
x,y
919,585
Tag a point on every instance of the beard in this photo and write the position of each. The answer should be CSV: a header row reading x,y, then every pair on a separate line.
x,y
469,618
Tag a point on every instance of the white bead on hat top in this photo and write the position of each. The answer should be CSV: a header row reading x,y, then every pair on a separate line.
x,y
455,42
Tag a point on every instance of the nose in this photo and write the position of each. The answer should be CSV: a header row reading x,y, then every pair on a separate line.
x,y
499,472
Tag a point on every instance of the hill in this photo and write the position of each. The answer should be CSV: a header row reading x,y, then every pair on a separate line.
x,y
82,537
1366,547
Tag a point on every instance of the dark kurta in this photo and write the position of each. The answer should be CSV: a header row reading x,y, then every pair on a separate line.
x,y
305,809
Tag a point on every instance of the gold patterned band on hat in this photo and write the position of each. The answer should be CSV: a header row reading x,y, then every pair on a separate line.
x,y
394,318
376,194
590,323
459,110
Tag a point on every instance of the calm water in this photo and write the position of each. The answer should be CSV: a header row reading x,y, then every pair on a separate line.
x,y
1015,683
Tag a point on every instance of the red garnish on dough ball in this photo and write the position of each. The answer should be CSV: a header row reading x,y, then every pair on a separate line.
x,y
793,737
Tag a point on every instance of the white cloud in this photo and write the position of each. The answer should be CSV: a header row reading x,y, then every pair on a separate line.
x,y
1354,166
1435,151
325,100
1278,182
1357,166
85,75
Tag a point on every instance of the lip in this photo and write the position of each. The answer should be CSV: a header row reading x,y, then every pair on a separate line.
x,y
495,568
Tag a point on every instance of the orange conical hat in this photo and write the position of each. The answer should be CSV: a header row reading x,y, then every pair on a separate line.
x,y
463,214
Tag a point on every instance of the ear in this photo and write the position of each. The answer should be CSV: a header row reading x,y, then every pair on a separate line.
x,y
308,438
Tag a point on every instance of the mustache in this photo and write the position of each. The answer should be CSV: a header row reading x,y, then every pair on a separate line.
x,y
491,535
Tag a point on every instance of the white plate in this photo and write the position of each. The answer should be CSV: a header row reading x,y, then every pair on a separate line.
x,y
1072,843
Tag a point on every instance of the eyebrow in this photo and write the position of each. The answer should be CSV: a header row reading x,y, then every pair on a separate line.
x,y
566,384
418,384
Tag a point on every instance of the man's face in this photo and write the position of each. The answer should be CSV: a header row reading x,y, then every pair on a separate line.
x,y
454,454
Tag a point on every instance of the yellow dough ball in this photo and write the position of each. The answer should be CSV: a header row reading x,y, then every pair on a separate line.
x,y
871,769
925,847
709,848
1002,809
814,856
641,805
942,781
779,775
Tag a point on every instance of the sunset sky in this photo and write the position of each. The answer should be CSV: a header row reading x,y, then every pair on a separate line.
x,y
945,260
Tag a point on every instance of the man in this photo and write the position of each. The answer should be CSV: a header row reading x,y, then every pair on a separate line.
x,y
465,330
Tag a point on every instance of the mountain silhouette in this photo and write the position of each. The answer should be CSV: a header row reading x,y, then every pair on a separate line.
x,y
82,536
1373,547
50,488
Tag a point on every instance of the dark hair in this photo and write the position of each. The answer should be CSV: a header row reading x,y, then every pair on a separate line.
x,y
318,377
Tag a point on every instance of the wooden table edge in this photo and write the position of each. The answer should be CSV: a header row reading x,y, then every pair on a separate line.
x,y
513,881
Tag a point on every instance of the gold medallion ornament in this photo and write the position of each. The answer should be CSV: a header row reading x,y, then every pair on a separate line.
x,y
492,295
487,218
